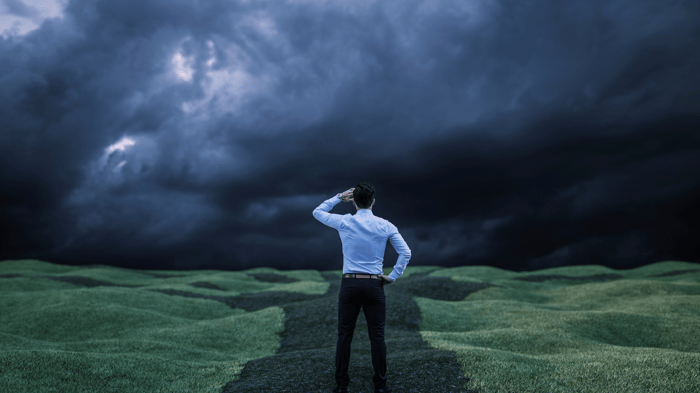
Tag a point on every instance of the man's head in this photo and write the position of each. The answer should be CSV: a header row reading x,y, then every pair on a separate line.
x,y
363,196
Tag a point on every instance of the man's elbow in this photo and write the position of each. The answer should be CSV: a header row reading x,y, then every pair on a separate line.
x,y
318,215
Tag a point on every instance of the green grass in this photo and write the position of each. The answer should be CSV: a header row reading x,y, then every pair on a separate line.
x,y
465,329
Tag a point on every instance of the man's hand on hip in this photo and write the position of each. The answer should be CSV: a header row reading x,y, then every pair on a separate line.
x,y
385,278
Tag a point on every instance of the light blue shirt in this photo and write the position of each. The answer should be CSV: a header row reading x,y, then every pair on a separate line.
x,y
364,237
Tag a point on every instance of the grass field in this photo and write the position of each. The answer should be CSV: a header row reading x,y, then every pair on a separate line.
x,y
465,329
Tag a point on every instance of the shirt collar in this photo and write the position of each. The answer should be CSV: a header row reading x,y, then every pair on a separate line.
x,y
364,211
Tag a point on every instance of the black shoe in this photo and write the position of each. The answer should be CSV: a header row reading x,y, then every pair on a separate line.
x,y
340,390
386,389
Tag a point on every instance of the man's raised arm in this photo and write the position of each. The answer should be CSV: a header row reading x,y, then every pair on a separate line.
x,y
321,212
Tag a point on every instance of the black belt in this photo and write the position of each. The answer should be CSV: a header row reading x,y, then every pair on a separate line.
x,y
353,275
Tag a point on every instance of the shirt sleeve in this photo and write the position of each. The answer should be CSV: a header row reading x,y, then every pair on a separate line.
x,y
402,249
321,213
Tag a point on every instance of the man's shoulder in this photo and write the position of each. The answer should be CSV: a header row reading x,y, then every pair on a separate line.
x,y
386,223
384,220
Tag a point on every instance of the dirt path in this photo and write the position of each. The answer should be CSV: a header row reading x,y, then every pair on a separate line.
x,y
306,359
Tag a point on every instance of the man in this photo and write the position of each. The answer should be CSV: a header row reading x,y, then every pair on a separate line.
x,y
364,239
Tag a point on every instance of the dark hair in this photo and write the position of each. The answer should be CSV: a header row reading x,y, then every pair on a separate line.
x,y
363,195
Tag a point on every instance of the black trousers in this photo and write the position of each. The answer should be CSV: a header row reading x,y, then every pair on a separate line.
x,y
368,294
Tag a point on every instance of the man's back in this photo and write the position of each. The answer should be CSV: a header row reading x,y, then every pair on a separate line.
x,y
364,238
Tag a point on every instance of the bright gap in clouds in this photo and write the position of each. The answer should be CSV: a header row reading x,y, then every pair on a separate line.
x,y
19,17
229,84
121,145
183,68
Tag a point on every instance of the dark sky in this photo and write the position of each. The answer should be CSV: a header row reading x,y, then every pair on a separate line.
x,y
182,134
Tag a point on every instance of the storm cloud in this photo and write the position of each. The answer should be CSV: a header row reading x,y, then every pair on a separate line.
x,y
179,134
